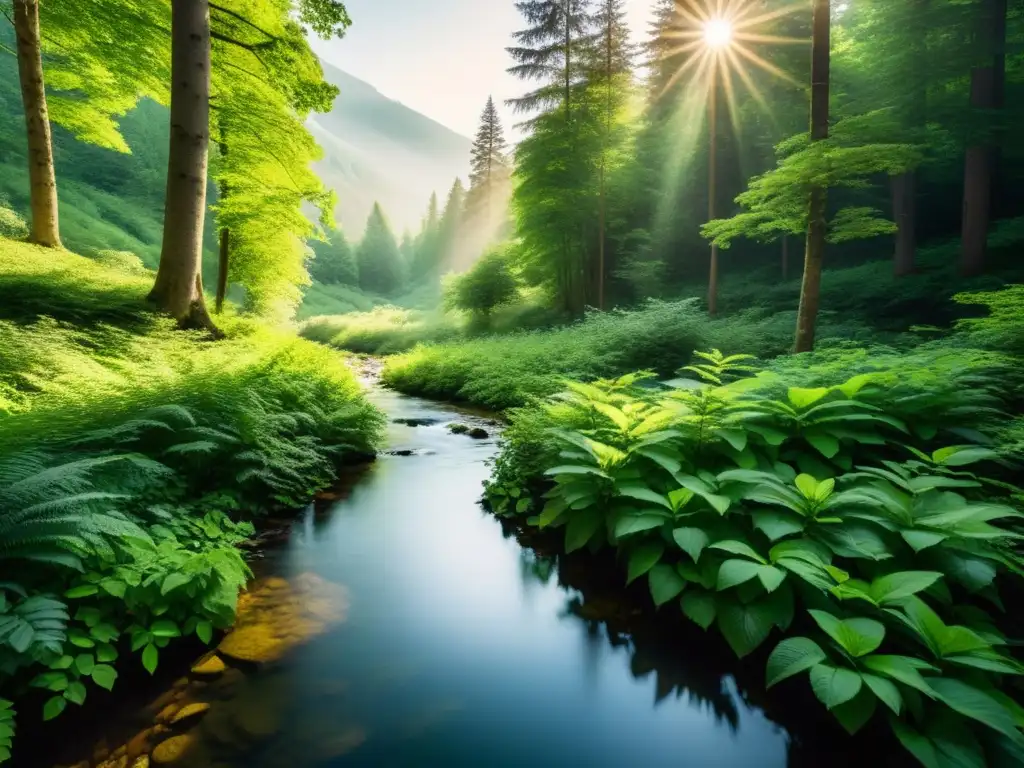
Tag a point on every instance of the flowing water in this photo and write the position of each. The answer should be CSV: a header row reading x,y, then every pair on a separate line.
x,y
402,628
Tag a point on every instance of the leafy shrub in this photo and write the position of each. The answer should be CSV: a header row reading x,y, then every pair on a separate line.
x,y
381,331
846,516
11,224
489,284
122,261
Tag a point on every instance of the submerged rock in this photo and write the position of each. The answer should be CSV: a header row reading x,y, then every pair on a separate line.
x,y
458,429
173,749
421,422
210,665
190,712
477,433
142,761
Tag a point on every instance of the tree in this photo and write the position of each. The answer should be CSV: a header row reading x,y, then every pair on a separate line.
x,y
179,286
334,263
489,175
987,93
45,229
488,285
380,263
450,228
425,261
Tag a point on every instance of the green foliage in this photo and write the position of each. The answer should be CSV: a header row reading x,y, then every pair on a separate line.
x,y
382,331
834,496
333,262
11,224
488,285
380,263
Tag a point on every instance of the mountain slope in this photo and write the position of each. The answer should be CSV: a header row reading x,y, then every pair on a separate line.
x,y
377,149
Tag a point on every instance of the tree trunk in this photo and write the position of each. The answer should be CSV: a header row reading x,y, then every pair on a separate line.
x,y
904,211
224,260
810,289
712,187
179,285
42,179
987,86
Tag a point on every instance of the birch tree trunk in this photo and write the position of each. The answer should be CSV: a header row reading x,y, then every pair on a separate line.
x,y
179,285
42,179
810,289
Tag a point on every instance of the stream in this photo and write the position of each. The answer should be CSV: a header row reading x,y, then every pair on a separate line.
x,y
402,627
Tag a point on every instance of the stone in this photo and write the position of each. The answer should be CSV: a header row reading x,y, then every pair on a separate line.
x,y
210,665
173,749
120,761
257,643
190,712
167,713
142,761
140,745
477,433
458,429
256,720
421,422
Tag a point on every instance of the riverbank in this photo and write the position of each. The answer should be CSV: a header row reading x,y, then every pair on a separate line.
x,y
134,459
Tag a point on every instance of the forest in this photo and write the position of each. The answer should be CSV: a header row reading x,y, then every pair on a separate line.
x,y
741,292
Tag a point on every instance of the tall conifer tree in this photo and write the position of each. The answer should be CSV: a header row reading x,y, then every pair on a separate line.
x,y
379,260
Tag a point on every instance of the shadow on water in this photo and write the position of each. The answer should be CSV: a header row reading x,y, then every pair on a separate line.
x,y
400,625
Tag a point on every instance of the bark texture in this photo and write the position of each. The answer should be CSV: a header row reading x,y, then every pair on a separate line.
x,y
810,289
904,210
42,179
987,93
179,285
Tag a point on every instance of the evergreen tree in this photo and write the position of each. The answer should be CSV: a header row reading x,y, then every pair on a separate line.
x,y
489,179
380,262
425,260
450,230
334,263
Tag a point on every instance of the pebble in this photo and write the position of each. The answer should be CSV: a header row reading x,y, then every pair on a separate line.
x,y
190,712
173,749
209,666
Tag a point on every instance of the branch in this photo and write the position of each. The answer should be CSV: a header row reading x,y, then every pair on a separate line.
x,y
252,47
4,12
243,20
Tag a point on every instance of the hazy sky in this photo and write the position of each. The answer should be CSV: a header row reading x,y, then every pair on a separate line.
x,y
440,57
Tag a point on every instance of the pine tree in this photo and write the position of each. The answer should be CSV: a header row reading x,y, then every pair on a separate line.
x,y
334,263
380,262
450,228
487,158
424,262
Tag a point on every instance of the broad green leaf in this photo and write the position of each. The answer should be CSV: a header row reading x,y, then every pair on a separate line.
x,y
915,743
921,540
104,676
885,690
105,652
737,438
691,540
855,541
581,528
84,663
804,398
204,631
738,548
777,524
791,657
575,469
976,704
643,557
903,669
165,628
114,587
858,637
64,662
746,625
855,713
85,590
680,498
642,493
897,586
825,444
960,456
613,414
79,638
75,693
771,577
735,572
807,485
104,632
628,524
553,510
665,583
54,707
150,657
699,606
834,685
173,581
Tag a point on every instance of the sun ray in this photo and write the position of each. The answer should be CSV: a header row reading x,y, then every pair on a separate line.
x,y
749,37
766,65
770,16
702,61
748,81
730,98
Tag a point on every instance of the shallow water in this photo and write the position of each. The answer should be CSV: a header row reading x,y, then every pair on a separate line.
x,y
437,641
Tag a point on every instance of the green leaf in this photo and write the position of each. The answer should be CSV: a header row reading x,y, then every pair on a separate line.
x,y
106,652
628,524
804,398
897,586
85,590
613,414
54,707
21,638
114,587
746,625
84,663
855,541
642,493
553,510
150,656
807,485
691,540
858,637
735,572
921,540
582,527
64,662
737,438
885,690
976,704
643,557
79,638
915,743
665,583
792,657
855,713
680,498
825,444
903,669
699,606
738,548
204,631
834,685
104,676
173,581
776,524
75,692
104,632
575,469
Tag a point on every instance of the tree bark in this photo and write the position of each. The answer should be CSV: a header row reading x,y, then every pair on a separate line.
x,y
904,210
179,286
224,260
987,87
810,289
42,178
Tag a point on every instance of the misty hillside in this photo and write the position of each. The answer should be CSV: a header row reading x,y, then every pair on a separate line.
x,y
379,149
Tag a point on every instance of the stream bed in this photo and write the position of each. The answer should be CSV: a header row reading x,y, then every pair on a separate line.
x,y
401,627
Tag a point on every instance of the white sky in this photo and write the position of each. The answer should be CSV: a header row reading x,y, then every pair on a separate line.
x,y
440,57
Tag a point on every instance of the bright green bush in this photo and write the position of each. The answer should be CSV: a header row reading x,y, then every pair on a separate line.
x,y
383,330
865,519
